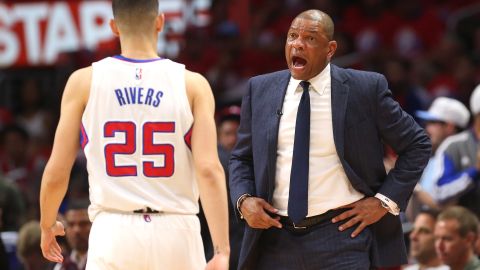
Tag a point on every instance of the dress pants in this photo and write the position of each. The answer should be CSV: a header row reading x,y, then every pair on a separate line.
x,y
322,247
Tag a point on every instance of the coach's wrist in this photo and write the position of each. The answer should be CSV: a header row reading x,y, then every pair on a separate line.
x,y
240,201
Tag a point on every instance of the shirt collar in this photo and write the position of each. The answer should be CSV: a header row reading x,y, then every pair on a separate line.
x,y
320,81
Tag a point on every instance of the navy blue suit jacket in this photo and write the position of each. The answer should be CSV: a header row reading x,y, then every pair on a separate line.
x,y
365,117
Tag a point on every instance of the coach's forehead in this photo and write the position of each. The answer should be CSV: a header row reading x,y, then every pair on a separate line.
x,y
307,25
317,20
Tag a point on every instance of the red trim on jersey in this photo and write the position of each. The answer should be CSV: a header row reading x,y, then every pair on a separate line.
x,y
188,138
83,136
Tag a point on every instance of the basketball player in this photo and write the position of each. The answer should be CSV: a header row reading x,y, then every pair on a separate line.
x,y
135,115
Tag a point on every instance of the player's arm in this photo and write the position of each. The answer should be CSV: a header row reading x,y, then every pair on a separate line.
x,y
209,171
57,171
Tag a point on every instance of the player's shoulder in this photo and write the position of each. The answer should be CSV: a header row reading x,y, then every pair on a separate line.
x,y
194,77
195,82
197,87
82,75
79,83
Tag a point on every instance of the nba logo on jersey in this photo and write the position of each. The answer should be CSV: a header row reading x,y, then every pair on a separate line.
x,y
138,74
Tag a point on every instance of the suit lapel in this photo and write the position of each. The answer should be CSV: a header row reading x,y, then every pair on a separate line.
x,y
276,92
339,107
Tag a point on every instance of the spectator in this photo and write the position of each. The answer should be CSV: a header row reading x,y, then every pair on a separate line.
x,y
229,119
458,165
12,206
77,232
31,114
444,118
15,160
455,234
422,243
28,248
19,165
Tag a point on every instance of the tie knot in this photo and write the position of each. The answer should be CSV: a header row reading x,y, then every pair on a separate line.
x,y
305,85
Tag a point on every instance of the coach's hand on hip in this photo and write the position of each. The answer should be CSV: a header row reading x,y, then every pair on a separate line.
x,y
365,211
255,212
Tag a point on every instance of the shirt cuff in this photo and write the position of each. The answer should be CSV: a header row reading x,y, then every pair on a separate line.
x,y
240,201
390,205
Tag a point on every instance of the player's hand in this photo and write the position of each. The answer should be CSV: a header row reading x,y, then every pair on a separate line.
x,y
50,248
363,212
218,262
254,210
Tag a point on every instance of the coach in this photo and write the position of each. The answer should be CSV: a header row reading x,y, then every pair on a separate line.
x,y
307,172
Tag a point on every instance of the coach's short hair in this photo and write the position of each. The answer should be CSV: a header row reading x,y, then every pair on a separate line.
x,y
134,15
466,219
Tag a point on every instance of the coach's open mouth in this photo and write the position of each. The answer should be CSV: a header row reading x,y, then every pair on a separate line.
x,y
298,62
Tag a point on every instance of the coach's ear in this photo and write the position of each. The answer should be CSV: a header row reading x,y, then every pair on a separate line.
x,y
114,27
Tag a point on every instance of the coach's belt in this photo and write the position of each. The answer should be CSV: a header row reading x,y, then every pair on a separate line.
x,y
146,210
309,222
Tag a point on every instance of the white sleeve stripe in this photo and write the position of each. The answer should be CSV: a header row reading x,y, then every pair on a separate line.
x,y
455,188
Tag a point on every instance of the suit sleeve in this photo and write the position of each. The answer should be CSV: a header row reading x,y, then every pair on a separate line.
x,y
400,131
241,161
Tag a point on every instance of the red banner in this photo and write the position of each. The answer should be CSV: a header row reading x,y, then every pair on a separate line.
x,y
37,33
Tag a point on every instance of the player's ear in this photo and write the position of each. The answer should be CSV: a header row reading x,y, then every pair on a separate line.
x,y
114,27
159,22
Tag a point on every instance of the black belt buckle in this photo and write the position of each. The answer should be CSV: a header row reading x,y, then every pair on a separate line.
x,y
146,210
298,227
310,222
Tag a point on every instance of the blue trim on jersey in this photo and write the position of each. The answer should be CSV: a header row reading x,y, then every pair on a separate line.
x,y
83,136
188,138
451,175
123,58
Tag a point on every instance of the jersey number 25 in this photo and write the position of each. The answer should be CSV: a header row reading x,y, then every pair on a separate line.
x,y
149,148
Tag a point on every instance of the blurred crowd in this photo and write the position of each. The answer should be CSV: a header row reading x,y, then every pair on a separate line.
x,y
427,49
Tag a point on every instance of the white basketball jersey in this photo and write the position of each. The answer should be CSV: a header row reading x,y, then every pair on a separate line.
x,y
136,134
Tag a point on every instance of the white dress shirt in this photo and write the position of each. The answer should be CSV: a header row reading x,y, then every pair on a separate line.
x,y
328,185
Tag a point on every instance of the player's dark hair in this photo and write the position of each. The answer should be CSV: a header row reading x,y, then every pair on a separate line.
x,y
134,14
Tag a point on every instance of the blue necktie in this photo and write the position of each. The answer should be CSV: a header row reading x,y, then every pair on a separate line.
x,y
298,195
